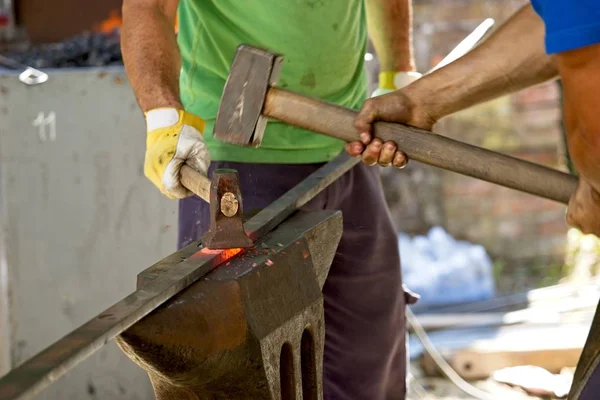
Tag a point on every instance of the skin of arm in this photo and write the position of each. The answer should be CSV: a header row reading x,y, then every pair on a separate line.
x,y
580,73
390,29
510,59
150,52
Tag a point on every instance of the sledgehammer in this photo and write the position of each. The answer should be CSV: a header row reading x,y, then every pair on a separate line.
x,y
250,98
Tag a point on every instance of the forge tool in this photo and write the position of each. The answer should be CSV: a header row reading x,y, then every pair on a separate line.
x,y
250,98
226,212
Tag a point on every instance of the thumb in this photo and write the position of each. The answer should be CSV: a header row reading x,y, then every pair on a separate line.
x,y
366,116
392,107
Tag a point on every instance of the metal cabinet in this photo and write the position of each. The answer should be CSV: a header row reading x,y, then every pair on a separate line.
x,y
79,220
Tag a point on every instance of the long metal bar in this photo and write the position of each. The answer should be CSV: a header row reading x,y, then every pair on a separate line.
x,y
184,268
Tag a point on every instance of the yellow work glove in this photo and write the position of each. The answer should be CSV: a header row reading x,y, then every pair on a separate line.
x,y
390,81
174,137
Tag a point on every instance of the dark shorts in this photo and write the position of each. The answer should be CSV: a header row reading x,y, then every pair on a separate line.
x,y
365,351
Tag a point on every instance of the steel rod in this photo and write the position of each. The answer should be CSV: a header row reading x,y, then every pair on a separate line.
x,y
182,269
423,146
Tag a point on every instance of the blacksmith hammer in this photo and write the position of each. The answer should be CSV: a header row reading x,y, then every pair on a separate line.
x,y
250,98
226,212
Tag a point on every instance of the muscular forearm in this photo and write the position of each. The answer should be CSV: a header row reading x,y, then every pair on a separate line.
x,y
511,59
390,29
580,73
150,53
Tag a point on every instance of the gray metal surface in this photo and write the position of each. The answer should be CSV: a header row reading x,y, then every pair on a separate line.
x,y
78,217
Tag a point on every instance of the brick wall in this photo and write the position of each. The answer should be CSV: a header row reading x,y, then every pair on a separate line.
x,y
517,228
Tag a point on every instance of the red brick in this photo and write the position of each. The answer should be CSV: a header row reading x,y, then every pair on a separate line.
x,y
542,94
509,228
512,225
538,118
466,186
553,227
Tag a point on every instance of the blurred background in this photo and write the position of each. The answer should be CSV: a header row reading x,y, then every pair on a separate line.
x,y
496,269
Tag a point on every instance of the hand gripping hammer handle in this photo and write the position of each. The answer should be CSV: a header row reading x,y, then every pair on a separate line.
x,y
423,146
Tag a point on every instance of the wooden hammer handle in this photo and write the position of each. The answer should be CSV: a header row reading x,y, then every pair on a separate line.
x,y
423,146
195,182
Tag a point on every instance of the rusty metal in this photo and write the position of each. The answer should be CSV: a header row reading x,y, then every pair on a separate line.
x,y
224,195
226,212
253,329
240,119
243,96
166,279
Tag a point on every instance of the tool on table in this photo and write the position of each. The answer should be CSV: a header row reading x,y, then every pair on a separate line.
x,y
250,98
29,76
226,212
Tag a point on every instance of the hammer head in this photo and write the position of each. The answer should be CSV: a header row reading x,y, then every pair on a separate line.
x,y
239,119
226,214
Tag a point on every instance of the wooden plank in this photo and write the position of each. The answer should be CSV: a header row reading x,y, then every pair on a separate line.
x,y
481,364
476,353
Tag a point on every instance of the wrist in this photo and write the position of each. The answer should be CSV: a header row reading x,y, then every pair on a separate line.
x,y
438,94
394,80
426,109
162,117
167,117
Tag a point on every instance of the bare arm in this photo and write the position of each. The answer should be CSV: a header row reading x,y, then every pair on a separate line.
x,y
511,59
580,73
150,52
390,28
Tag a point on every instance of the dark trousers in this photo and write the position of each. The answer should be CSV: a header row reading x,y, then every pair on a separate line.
x,y
365,351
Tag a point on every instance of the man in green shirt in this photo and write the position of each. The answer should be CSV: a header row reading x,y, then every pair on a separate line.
x,y
178,81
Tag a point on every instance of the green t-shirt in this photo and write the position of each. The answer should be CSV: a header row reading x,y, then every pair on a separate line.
x,y
323,43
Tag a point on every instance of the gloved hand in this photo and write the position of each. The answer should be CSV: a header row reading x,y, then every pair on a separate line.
x,y
375,151
174,137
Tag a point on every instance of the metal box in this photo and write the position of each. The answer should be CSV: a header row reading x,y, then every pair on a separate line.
x,y
78,220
